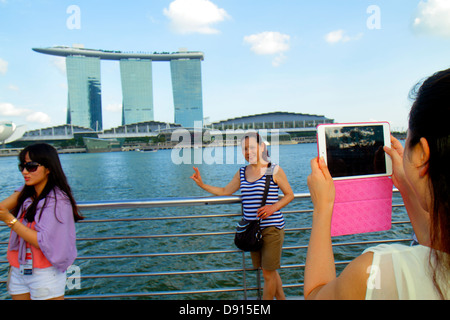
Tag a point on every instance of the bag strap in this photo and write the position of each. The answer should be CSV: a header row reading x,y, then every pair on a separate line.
x,y
266,190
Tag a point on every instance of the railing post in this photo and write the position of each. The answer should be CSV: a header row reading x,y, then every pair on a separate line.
x,y
258,282
244,280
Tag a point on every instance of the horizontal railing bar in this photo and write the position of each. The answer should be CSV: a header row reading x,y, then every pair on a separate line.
x,y
153,236
177,235
186,253
162,254
165,202
180,235
172,202
163,218
158,293
174,273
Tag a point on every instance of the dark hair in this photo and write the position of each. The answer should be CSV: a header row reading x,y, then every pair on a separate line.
x,y
428,118
45,155
259,140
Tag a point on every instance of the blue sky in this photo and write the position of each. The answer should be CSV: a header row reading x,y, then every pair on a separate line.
x,y
350,60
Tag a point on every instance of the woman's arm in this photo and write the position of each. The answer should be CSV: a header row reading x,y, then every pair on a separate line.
x,y
229,189
22,231
320,272
11,202
281,180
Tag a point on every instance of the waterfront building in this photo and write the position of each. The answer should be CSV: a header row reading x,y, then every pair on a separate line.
x,y
84,103
187,91
285,121
137,90
83,75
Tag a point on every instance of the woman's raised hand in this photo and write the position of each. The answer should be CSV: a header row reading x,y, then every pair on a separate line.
x,y
197,177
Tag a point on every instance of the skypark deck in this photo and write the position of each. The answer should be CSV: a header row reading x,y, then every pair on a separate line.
x,y
118,55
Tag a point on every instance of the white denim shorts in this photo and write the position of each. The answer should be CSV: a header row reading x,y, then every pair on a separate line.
x,y
43,284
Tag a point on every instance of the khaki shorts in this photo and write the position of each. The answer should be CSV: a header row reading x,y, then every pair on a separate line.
x,y
269,257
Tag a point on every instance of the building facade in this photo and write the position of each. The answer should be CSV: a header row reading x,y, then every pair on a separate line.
x,y
137,90
284,121
84,103
187,91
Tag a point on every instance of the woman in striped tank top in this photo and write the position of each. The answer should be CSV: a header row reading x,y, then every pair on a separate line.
x,y
251,181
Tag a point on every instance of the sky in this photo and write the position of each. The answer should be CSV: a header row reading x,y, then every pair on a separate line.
x,y
349,60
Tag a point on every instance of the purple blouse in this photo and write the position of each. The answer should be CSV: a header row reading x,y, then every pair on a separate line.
x,y
55,228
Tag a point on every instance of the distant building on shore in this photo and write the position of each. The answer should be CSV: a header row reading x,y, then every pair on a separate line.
x,y
284,121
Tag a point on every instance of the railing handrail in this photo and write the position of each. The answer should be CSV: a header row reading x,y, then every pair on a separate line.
x,y
173,202
187,201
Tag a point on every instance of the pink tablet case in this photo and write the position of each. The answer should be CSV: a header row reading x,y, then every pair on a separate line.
x,y
362,205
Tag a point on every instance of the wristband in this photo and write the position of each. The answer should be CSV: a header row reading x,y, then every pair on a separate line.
x,y
12,223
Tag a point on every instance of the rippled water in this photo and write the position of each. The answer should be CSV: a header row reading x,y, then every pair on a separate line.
x,y
137,175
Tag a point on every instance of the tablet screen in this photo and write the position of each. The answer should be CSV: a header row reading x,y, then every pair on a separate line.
x,y
355,150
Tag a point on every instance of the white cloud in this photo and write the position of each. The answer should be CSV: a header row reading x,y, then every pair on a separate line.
x,y
9,110
13,87
195,16
433,17
59,63
340,36
279,60
38,117
3,66
268,42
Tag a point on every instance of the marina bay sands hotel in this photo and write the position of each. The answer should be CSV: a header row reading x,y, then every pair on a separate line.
x,y
84,104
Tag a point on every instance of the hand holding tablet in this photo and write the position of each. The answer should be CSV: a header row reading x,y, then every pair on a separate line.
x,y
361,172
355,150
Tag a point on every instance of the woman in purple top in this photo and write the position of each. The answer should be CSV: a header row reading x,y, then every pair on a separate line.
x,y
42,216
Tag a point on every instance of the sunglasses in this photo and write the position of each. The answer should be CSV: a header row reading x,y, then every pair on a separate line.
x,y
30,166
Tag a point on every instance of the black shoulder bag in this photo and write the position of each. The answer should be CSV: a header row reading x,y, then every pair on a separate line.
x,y
248,235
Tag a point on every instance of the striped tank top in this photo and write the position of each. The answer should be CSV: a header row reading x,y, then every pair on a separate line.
x,y
252,194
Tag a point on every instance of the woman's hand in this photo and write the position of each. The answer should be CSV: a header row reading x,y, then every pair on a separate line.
x,y
197,177
266,211
321,185
396,154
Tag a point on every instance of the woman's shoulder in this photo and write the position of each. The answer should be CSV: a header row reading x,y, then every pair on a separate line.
x,y
399,250
56,195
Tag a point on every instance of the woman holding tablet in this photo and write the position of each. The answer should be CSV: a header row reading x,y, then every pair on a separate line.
x,y
421,172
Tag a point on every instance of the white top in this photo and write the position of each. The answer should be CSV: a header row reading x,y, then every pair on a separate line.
x,y
401,272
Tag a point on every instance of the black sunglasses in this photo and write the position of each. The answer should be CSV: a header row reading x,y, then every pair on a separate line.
x,y
30,166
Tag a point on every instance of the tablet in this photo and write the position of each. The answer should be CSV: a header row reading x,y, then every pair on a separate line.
x,y
355,150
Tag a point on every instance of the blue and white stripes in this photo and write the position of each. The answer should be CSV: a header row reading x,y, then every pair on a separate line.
x,y
252,194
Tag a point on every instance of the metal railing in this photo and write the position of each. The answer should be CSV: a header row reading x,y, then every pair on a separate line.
x,y
244,270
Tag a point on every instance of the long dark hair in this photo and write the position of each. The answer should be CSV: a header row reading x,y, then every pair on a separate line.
x,y
47,156
429,119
